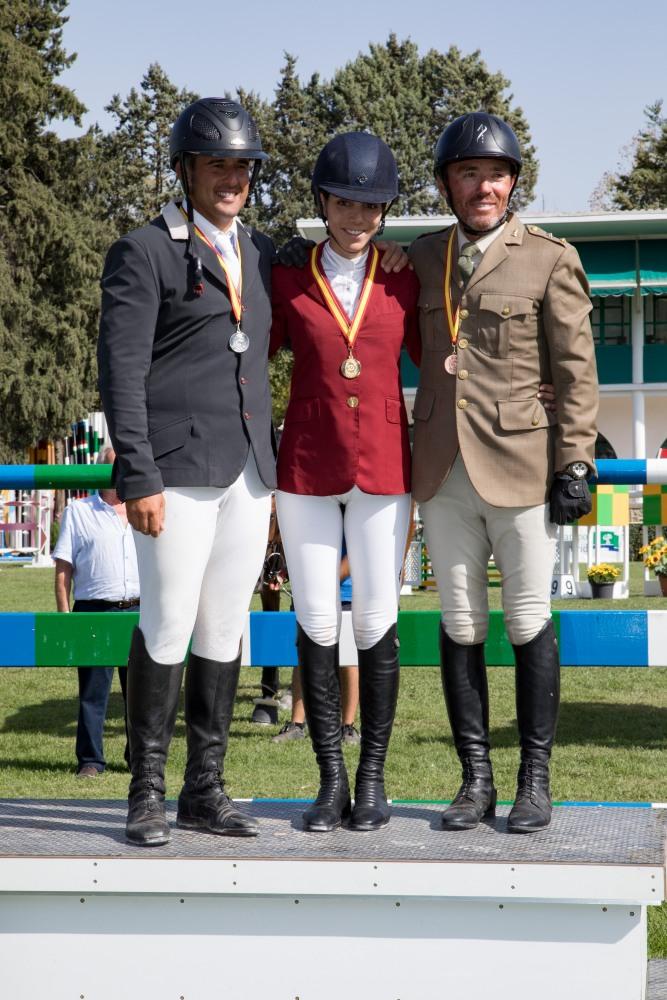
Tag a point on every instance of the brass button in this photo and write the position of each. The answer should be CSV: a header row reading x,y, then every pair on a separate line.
x,y
462,403
463,373
506,310
535,421
464,314
463,343
353,402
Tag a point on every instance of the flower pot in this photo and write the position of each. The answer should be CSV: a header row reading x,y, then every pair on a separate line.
x,y
602,590
662,580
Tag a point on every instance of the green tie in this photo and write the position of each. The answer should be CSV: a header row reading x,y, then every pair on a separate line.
x,y
466,266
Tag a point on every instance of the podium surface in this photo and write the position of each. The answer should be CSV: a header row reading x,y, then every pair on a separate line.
x,y
407,913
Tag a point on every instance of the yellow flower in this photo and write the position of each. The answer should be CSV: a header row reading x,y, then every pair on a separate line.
x,y
653,560
643,550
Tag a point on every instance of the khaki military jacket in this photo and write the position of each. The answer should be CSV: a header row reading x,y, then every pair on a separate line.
x,y
524,320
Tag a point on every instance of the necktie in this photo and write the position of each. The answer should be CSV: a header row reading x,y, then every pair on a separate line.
x,y
225,244
466,266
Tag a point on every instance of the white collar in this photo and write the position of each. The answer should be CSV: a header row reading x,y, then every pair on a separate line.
x,y
342,265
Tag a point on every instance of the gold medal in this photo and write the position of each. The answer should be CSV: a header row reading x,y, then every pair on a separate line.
x,y
350,368
451,364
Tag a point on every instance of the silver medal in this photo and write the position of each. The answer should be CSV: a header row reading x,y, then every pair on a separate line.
x,y
239,341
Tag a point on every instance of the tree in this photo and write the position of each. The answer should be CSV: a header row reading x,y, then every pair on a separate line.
x,y
642,185
50,245
134,157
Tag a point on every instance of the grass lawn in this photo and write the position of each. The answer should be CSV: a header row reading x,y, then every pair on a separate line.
x,y
612,738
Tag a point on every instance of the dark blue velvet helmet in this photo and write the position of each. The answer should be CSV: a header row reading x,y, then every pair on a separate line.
x,y
357,166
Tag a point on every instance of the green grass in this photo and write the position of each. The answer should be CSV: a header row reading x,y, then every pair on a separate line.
x,y
612,738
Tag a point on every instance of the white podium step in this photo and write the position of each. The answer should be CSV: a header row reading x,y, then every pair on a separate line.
x,y
408,913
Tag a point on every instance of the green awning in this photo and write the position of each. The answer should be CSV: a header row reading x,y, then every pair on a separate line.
x,y
616,267
653,266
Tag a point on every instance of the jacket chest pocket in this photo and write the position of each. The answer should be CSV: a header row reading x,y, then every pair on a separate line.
x,y
506,323
432,321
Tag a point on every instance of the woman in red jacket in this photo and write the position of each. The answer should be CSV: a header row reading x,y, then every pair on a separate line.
x,y
344,463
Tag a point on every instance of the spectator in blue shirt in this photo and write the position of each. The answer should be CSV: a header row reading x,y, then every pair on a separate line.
x,y
95,554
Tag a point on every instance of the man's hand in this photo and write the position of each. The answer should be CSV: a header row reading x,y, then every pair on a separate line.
x,y
294,253
394,257
547,396
146,514
569,499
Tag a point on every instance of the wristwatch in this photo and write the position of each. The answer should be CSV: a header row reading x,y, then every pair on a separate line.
x,y
578,470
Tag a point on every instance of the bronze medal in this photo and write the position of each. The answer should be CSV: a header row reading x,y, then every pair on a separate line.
x,y
451,364
350,368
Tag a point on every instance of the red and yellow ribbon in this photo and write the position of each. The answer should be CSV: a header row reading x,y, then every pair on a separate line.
x,y
234,292
349,328
453,318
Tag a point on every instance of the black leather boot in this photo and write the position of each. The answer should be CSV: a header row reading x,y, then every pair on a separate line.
x,y
537,701
378,694
210,692
321,698
464,683
152,702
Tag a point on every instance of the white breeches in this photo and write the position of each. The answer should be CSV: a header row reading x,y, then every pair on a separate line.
x,y
198,576
461,532
375,530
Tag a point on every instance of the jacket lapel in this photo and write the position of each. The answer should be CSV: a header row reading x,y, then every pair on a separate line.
x,y
249,259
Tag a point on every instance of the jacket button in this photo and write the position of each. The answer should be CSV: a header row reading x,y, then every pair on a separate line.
x,y
506,310
464,314
462,404
535,421
353,402
243,380
463,343
247,415
463,373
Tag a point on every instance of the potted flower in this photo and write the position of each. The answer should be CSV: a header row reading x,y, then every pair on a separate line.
x,y
655,558
601,578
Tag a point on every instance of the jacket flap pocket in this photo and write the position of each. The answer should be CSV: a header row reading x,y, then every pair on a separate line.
x,y
431,298
505,306
393,409
523,415
170,437
423,404
300,410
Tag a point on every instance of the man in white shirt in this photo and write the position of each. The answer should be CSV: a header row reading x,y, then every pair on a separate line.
x,y
95,552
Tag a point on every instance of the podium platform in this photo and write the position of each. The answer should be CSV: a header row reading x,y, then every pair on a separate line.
x,y
408,913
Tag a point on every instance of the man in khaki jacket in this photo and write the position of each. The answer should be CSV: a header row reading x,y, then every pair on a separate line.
x,y
503,308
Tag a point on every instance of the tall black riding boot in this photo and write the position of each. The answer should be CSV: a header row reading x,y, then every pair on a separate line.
x,y
464,683
210,692
152,703
378,694
537,700
321,698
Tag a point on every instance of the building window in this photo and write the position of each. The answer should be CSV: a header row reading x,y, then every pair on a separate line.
x,y
611,319
603,449
655,319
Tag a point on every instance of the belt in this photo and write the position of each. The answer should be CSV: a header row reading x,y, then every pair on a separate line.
x,y
132,603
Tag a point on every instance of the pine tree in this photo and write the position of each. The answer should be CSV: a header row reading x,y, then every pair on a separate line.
x,y
642,185
50,246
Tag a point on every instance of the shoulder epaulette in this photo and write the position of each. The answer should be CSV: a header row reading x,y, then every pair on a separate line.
x,y
536,231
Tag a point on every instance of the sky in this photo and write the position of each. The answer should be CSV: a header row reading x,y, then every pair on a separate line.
x,y
583,72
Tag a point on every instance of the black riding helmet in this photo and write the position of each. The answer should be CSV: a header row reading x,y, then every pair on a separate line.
x,y
213,126
357,166
477,136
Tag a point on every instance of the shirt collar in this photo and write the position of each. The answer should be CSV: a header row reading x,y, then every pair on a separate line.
x,y
483,242
210,231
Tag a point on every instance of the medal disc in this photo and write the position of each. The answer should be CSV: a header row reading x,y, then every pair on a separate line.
x,y
350,368
451,364
239,342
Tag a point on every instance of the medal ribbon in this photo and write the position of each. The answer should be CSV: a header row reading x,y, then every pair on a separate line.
x,y
234,293
347,328
453,319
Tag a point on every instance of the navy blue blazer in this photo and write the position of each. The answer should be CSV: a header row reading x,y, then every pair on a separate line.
x,y
182,408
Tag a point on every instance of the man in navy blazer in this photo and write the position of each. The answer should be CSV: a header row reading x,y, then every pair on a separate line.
x,y
183,375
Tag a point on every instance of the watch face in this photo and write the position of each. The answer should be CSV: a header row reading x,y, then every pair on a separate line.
x,y
578,469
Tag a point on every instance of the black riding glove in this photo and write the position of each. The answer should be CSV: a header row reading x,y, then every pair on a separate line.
x,y
569,499
295,253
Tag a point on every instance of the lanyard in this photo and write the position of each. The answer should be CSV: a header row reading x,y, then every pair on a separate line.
x,y
234,293
349,328
453,318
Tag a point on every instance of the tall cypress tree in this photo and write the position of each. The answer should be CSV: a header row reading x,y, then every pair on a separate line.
x,y
50,247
